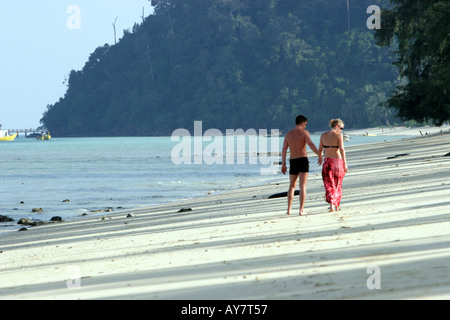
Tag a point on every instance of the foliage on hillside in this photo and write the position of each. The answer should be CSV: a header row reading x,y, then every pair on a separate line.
x,y
232,64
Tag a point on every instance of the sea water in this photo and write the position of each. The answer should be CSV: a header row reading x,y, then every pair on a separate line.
x,y
69,177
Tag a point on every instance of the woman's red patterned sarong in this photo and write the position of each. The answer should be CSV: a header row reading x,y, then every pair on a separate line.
x,y
333,173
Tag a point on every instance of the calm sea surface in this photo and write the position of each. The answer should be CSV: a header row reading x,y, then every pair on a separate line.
x,y
124,173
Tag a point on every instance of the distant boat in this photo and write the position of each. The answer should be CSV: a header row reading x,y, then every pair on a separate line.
x,y
33,134
44,136
5,136
346,137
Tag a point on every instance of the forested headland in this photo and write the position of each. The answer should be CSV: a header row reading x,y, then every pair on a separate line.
x,y
232,64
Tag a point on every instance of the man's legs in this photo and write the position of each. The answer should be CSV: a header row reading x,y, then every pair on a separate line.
x,y
303,179
291,192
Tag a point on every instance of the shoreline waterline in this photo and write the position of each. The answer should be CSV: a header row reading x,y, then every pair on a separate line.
x,y
79,208
76,177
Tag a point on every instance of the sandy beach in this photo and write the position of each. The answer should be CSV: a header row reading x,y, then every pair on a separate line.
x,y
391,240
401,131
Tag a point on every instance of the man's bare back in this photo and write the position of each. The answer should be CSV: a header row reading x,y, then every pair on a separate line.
x,y
296,141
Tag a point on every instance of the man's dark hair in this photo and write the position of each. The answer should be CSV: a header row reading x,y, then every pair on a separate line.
x,y
300,119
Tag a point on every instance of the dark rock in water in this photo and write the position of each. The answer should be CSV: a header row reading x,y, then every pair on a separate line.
x,y
283,194
32,223
447,155
56,219
25,221
129,216
23,229
5,219
37,210
185,210
67,200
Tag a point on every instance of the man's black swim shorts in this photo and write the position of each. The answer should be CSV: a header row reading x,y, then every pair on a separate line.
x,y
298,165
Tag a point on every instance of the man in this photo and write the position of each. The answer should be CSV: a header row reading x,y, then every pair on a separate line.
x,y
296,140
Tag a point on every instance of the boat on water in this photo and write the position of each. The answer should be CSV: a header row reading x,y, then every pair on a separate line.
x,y
346,137
6,136
32,134
44,136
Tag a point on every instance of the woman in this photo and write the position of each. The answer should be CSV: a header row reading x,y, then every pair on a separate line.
x,y
335,164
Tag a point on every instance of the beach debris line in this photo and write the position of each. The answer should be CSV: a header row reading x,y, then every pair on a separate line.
x,y
107,209
102,210
398,155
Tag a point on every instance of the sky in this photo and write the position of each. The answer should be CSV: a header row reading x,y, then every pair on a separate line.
x,y
42,41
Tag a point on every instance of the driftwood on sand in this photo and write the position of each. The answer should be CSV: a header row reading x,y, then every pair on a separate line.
x,y
282,194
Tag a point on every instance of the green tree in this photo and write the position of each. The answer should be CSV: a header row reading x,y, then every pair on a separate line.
x,y
421,31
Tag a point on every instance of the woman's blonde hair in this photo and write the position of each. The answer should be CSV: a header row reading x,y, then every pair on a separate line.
x,y
336,122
